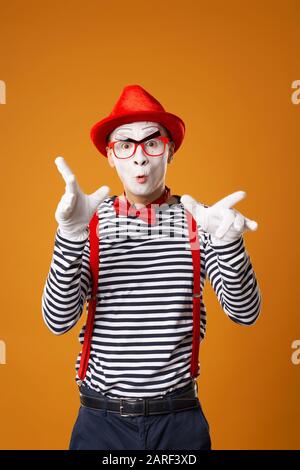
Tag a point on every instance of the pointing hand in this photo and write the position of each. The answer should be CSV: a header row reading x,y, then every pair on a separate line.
x,y
75,209
220,220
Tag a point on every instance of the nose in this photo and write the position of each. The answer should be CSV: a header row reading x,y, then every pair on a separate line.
x,y
140,158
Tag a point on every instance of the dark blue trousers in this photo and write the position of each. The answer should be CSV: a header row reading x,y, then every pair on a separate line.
x,y
104,430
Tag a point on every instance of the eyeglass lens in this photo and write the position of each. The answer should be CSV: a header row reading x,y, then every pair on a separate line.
x,y
153,147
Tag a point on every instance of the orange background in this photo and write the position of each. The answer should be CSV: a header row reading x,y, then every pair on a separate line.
x,y
226,69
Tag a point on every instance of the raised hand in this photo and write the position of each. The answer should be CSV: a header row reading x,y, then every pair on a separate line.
x,y
220,220
75,209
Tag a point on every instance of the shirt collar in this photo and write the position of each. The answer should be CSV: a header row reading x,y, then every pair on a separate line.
x,y
160,200
146,213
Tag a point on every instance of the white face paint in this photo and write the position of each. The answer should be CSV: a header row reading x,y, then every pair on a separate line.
x,y
154,168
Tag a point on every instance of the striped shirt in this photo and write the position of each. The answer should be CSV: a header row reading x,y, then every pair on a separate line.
x,y
142,338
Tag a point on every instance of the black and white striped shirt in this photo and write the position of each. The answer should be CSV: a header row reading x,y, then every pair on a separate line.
x,y
142,337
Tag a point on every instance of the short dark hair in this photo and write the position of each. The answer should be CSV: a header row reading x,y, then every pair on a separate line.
x,y
169,134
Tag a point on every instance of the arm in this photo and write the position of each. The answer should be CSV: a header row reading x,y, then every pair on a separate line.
x,y
233,279
68,284
69,279
228,264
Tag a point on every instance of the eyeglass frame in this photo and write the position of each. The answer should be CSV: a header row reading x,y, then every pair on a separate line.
x,y
164,139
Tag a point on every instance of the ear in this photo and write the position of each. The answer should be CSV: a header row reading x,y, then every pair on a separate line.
x,y
171,151
110,157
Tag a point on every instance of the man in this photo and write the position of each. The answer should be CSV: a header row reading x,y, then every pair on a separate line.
x,y
139,363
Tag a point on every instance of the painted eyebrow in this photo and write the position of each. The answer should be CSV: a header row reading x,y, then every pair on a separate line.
x,y
148,137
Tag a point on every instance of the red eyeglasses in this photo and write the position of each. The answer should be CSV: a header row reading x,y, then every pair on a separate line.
x,y
154,147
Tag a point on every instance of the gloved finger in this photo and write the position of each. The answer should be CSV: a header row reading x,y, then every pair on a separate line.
x,y
189,203
198,211
239,222
71,184
230,200
66,204
100,194
66,173
227,220
97,197
251,224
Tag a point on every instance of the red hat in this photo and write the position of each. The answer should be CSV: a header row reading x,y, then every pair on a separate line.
x,y
136,104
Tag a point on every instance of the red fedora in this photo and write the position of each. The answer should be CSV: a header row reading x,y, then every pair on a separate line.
x,y
136,104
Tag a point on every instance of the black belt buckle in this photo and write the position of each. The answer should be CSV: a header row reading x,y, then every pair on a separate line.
x,y
134,400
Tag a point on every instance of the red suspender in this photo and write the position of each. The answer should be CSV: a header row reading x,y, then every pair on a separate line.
x,y
195,249
94,265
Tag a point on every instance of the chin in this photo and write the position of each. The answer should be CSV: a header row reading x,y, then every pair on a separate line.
x,y
141,189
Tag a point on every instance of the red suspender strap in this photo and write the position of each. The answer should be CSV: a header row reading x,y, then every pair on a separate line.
x,y
195,249
94,266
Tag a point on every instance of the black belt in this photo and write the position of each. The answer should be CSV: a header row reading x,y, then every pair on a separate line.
x,y
144,406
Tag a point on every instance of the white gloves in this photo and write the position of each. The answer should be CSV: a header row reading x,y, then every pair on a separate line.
x,y
224,224
75,209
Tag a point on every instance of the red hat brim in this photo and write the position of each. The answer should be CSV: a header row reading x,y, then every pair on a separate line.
x,y
103,128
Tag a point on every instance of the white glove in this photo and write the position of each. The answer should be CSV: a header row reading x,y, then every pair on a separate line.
x,y
75,209
224,224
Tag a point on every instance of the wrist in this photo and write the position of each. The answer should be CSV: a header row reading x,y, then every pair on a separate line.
x,y
78,235
215,241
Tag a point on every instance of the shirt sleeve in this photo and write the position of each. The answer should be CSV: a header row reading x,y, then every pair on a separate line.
x,y
233,279
68,284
